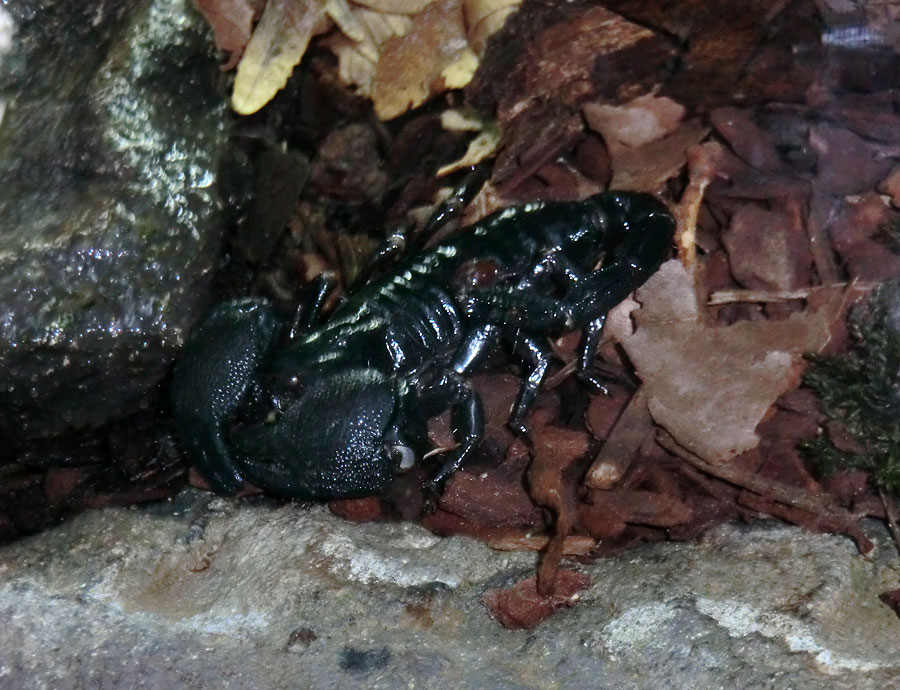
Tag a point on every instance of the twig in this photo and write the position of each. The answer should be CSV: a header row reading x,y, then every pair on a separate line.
x,y
833,516
622,444
821,213
730,296
701,171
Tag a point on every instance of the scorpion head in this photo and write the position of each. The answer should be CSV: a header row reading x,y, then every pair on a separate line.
x,y
340,437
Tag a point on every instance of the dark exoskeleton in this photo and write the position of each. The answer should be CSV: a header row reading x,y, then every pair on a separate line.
x,y
336,409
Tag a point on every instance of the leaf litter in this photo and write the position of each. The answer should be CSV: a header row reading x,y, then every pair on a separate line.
x,y
776,150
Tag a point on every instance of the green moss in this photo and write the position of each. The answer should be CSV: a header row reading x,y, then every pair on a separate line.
x,y
860,392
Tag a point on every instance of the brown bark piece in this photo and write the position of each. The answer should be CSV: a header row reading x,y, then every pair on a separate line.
x,y
768,248
492,499
847,163
638,122
521,607
646,168
555,451
745,138
854,236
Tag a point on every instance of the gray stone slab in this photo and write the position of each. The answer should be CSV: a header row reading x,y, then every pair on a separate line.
x,y
212,593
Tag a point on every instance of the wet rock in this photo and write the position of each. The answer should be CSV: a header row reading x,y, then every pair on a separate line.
x,y
108,213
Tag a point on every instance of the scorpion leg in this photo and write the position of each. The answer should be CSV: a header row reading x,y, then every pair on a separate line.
x,y
399,243
535,352
475,348
214,374
451,208
642,249
309,310
527,315
394,246
542,314
453,391
590,339
467,417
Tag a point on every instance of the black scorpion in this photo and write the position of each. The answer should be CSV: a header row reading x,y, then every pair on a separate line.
x,y
336,409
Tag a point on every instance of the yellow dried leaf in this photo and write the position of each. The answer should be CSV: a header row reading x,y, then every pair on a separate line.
x,y
456,120
382,26
395,6
354,67
459,73
276,47
373,51
481,147
340,12
357,60
486,17
411,68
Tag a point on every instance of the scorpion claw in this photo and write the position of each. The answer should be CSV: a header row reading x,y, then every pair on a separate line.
x,y
211,380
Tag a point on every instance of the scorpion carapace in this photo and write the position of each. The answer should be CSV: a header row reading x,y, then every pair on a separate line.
x,y
336,409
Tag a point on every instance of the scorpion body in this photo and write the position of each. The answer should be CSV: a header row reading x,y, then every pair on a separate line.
x,y
337,408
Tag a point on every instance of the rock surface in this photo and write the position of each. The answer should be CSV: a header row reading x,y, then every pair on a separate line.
x,y
204,592
108,216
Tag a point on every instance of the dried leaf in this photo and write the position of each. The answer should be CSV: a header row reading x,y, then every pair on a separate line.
x,y
395,6
413,49
357,60
276,47
484,18
768,248
481,147
646,168
841,151
347,22
855,231
231,21
746,138
556,449
432,56
638,122
710,386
